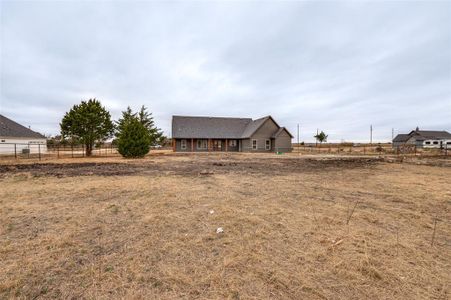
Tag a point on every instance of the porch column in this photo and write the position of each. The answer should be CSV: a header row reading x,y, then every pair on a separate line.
x,y
209,145
192,145
173,144
227,146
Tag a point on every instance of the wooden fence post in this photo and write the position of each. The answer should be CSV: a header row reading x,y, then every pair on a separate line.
x,y
15,151
39,150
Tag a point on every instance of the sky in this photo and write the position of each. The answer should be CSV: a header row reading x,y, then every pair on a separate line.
x,y
333,66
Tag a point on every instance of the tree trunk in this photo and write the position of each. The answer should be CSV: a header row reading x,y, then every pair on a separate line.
x,y
88,149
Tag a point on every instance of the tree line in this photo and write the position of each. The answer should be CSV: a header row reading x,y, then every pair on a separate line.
x,y
89,124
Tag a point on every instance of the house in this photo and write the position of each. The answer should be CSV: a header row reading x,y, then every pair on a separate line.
x,y
203,134
423,139
18,139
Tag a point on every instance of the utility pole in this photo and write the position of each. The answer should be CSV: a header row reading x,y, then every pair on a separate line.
x,y
299,146
371,134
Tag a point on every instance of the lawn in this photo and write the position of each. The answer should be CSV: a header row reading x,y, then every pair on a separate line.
x,y
293,228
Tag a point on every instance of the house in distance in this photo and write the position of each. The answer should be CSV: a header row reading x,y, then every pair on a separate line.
x,y
203,134
423,139
18,139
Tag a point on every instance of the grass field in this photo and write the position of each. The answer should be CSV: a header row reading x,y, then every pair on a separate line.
x,y
294,228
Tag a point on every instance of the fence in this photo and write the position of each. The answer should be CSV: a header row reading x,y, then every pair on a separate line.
x,y
368,149
42,151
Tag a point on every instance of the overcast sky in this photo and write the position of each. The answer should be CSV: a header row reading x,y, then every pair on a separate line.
x,y
336,66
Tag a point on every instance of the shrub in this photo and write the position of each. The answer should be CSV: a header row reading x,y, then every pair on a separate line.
x,y
133,139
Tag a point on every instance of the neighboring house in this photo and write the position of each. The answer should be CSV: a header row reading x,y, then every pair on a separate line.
x,y
202,134
423,139
15,138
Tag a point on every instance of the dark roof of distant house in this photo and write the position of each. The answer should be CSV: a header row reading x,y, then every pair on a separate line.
x,y
431,134
215,127
401,138
9,128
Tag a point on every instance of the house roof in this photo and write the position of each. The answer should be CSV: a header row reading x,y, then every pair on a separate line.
x,y
281,129
208,127
216,127
9,128
401,138
431,134
253,126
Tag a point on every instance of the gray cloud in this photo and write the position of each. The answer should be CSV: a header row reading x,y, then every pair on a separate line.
x,y
337,66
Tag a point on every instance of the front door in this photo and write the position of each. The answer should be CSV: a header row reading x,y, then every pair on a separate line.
x,y
217,145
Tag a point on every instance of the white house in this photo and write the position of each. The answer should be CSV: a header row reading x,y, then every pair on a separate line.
x,y
18,139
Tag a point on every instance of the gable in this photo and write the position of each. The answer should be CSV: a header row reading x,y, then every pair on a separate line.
x,y
284,133
267,129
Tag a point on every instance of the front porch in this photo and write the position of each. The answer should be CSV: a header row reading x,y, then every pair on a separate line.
x,y
207,145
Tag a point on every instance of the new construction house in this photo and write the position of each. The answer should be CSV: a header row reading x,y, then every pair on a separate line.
x,y
203,134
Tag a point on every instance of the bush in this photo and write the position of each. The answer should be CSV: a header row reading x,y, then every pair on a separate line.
x,y
133,139
379,149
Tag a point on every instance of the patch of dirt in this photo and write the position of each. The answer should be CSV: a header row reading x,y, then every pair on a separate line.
x,y
197,166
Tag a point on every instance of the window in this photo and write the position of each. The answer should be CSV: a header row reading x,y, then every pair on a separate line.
x,y
232,143
435,142
183,144
427,143
254,144
3,141
202,144
448,143
268,144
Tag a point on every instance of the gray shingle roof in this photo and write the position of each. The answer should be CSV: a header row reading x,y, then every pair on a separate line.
x,y
214,127
208,127
431,134
400,138
281,129
253,126
9,128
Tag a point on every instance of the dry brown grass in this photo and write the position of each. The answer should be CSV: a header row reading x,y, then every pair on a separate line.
x,y
150,234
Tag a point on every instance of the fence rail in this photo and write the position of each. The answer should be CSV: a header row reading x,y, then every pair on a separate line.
x,y
42,151
369,149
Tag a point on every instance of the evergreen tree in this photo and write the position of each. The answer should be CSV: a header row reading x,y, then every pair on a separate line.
x,y
146,119
88,123
133,139
126,116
